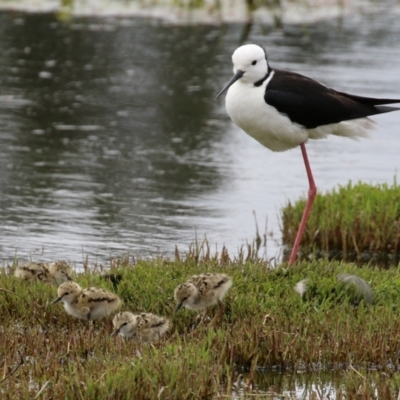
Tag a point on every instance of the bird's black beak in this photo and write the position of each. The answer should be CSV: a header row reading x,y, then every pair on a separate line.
x,y
178,307
237,76
56,300
115,332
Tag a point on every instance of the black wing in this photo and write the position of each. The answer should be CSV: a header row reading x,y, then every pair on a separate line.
x,y
311,104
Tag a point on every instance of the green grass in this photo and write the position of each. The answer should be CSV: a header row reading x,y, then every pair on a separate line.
x,y
353,222
266,324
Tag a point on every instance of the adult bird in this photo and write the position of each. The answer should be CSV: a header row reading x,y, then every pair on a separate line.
x,y
282,110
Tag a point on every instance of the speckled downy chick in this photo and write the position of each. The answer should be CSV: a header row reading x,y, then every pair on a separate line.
x,y
30,271
363,289
360,286
89,304
55,273
143,327
202,291
59,272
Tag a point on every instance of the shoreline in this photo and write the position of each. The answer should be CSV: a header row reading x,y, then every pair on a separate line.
x,y
212,12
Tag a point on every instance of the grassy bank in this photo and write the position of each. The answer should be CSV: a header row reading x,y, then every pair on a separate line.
x,y
353,222
48,354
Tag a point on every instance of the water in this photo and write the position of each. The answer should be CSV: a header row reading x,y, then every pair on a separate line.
x,y
112,142
348,383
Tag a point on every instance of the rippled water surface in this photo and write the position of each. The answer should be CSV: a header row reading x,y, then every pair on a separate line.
x,y
112,142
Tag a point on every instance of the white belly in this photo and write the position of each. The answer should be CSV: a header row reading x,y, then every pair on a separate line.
x,y
76,312
246,106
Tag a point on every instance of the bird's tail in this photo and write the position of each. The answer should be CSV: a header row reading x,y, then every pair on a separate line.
x,y
385,109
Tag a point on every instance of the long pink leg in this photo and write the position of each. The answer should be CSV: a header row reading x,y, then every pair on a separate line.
x,y
312,191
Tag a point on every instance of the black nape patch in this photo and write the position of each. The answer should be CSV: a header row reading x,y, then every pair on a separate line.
x,y
261,81
221,282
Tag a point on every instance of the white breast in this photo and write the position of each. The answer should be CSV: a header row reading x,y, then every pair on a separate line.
x,y
75,312
247,108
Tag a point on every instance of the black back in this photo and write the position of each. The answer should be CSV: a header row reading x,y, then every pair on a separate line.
x,y
311,104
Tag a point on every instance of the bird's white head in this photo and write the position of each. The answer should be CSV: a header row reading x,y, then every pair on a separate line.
x,y
68,292
124,324
250,65
250,59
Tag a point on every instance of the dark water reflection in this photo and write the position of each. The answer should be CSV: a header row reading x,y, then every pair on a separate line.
x,y
111,140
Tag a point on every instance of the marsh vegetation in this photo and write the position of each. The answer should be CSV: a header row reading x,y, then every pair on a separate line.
x,y
266,326
355,222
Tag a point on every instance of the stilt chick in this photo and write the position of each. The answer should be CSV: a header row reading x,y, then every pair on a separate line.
x,y
89,304
362,288
59,272
55,273
355,287
144,327
30,271
202,291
